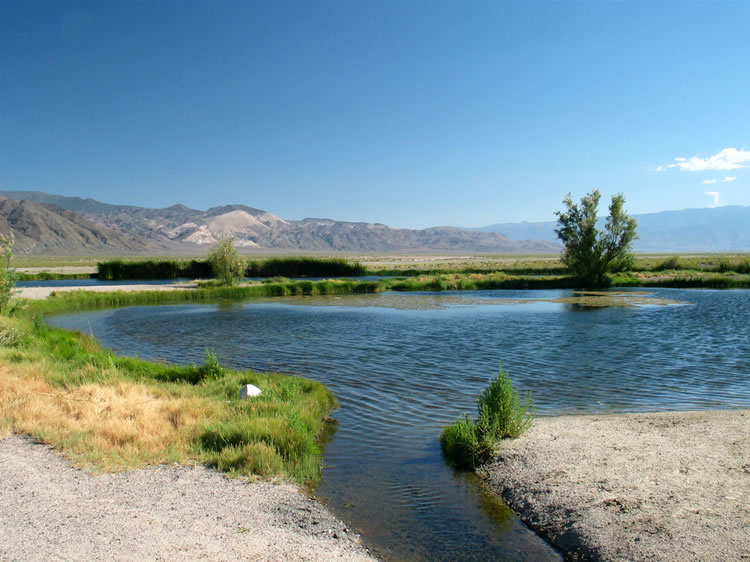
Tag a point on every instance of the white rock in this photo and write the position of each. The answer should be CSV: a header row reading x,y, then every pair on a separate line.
x,y
248,391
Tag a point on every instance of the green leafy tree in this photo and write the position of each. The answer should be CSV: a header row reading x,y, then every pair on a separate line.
x,y
228,266
589,252
7,275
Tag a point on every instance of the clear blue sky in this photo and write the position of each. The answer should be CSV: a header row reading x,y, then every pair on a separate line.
x,y
409,113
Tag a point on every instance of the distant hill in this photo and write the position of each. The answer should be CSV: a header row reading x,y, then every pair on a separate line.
x,y
47,229
721,229
179,227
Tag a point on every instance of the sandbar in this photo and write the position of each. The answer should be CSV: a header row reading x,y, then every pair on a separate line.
x,y
653,486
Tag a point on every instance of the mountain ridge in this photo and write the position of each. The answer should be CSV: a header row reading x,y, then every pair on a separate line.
x,y
716,229
179,226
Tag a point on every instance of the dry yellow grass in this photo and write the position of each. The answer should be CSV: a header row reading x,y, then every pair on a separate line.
x,y
123,424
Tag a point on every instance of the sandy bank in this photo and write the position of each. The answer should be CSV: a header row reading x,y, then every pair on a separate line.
x,y
664,486
44,292
52,511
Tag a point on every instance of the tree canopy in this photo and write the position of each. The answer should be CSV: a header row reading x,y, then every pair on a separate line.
x,y
589,252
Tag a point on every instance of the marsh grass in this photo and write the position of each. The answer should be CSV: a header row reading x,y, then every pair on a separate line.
x,y
682,280
52,276
119,269
305,267
467,443
107,412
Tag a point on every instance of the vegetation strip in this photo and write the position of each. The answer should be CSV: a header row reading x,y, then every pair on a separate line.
x,y
116,270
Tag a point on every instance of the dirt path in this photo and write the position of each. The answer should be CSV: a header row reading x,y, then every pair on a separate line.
x,y
52,511
663,486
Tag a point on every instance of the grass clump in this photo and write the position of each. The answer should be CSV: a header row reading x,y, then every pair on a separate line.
x,y
467,443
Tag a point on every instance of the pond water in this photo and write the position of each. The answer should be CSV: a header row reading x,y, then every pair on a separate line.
x,y
403,366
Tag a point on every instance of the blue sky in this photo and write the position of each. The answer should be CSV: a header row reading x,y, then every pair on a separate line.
x,y
408,113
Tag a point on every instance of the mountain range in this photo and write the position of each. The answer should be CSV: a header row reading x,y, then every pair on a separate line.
x,y
720,229
47,224
53,224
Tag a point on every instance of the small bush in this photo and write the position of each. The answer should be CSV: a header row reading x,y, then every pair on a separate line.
x,y
8,275
460,443
467,443
672,263
211,367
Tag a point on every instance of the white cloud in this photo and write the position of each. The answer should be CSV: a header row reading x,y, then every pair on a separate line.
x,y
715,196
727,159
661,169
725,179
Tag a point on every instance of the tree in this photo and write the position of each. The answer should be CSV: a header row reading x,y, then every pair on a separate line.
x,y
589,253
7,275
228,266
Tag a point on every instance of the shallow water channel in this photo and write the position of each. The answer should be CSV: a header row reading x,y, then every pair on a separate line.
x,y
404,365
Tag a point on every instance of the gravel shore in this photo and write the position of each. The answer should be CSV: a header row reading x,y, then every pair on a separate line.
x,y
661,486
53,511
36,293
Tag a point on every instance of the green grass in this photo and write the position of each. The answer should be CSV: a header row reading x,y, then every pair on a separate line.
x,y
109,412
467,443
65,301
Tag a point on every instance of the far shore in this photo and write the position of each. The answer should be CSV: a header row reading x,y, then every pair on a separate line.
x,y
36,293
655,486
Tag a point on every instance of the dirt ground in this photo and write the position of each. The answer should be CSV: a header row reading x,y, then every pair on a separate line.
x,y
53,511
661,486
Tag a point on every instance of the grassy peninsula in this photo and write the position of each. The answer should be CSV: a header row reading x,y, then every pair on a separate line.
x,y
108,412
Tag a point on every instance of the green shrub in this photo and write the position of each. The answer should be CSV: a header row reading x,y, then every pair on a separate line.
x,y
211,367
228,266
672,263
8,275
468,443
501,413
460,443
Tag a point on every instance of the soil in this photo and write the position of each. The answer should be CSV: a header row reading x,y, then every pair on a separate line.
x,y
53,511
657,486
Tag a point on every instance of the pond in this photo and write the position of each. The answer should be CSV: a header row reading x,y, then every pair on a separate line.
x,y
403,366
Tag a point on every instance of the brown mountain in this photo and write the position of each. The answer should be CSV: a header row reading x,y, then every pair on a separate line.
x,y
181,227
49,230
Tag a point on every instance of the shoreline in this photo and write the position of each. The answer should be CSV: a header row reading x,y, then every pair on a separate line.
x,y
40,293
657,486
166,512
